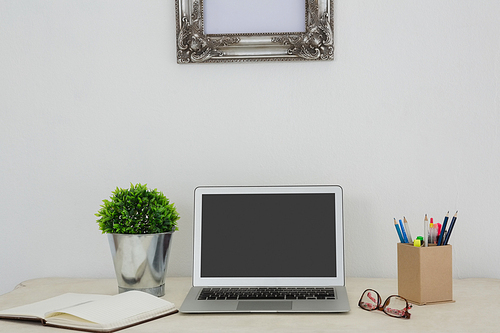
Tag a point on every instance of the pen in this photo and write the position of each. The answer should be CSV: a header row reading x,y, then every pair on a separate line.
x,y
399,231
443,228
403,232
426,231
445,242
408,233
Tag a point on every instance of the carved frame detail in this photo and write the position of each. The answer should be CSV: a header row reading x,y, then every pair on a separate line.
x,y
193,46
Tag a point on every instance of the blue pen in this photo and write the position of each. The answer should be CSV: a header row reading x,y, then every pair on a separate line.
x,y
440,240
405,238
445,242
399,231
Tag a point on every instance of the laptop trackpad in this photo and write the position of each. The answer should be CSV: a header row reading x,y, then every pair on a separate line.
x,y
264,305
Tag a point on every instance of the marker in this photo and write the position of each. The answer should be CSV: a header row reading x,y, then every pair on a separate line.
x,y
408,233
433,232
445,242
426,231
405,238
399,231
440,240
416,243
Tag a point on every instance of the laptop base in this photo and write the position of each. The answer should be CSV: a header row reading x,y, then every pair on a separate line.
x,y
192,305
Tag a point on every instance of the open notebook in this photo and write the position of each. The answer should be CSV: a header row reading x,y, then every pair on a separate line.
x,y
93,313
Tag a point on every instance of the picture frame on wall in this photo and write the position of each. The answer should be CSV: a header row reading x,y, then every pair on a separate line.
x,y
253,30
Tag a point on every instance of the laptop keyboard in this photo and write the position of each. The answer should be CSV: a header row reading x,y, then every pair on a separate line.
x,y
266,293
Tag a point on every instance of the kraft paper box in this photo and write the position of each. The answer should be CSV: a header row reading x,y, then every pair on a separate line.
x,y
425,273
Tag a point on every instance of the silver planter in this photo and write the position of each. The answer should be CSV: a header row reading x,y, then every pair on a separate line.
x,y
140,261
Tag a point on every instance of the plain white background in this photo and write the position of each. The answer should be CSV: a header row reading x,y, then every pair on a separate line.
x,y
406,119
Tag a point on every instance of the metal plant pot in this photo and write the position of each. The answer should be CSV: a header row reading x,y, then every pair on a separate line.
x,y
140,261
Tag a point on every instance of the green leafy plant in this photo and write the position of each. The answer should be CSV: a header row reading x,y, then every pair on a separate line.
x,y
137,210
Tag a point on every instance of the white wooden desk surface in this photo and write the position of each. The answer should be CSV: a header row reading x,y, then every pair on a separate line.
x,y
477,309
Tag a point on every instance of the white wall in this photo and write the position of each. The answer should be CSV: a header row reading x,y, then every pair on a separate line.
x,y
406,119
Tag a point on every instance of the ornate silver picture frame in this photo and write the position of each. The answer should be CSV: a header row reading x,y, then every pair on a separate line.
x,y
194,46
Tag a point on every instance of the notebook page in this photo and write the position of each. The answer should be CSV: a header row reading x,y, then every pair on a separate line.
x,y
38,309
115,309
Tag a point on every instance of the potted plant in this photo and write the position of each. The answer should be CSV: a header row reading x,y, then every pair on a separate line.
x,y
140,223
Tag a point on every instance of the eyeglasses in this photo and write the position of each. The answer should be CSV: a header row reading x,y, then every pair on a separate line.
x,y
394,305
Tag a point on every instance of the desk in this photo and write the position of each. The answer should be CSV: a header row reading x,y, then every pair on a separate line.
x,y
477,309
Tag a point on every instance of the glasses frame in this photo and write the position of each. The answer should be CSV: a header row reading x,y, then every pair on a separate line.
x,y
384,306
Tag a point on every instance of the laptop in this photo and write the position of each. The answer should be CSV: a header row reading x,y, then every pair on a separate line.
x,y
268,249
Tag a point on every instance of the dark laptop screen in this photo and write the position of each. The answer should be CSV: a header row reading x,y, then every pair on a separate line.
x,y
268,235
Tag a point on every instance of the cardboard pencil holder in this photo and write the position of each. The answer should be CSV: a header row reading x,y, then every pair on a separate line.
x,y
425,274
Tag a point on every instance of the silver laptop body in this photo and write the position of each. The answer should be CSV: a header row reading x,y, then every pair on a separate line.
x,y
268,239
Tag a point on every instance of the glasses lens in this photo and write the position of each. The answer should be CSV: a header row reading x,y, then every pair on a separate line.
x,y
395,306
369,300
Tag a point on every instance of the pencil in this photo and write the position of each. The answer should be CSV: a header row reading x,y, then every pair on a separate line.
x,y
403,232
408,233
399,231
440,240
426,231
451,228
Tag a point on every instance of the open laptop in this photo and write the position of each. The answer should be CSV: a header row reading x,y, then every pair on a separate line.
x,y
268,249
